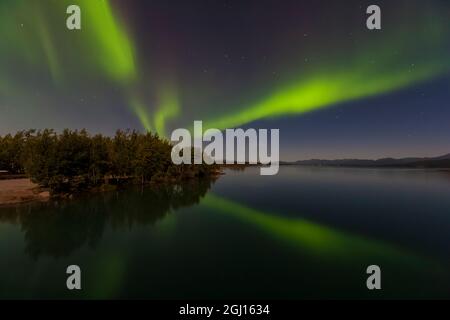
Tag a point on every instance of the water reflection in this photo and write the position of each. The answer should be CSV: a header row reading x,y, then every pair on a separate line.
x,y
57,229
315,239
305,233
322,245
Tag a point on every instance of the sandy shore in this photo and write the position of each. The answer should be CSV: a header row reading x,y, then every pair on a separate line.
x,y
19,191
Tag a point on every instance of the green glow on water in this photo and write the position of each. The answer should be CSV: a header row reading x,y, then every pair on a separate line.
x,y
318,240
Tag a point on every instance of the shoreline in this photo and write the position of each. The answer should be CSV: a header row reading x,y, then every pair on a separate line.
x,y
19,191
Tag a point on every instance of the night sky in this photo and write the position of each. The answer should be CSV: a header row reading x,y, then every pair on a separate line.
x,y
310,68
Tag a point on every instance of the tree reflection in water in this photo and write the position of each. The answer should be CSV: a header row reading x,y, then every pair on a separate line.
x,y
58,228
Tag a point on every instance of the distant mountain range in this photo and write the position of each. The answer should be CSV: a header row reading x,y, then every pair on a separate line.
x,y
435,162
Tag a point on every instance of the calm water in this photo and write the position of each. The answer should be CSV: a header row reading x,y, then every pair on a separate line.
x,y
305,233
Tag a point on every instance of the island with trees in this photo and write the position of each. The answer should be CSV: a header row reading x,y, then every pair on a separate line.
x,y
74,161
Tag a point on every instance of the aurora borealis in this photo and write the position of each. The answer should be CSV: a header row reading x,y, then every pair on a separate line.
x,y
310,68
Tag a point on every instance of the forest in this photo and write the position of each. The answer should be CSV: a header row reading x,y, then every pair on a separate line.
x,y
74,160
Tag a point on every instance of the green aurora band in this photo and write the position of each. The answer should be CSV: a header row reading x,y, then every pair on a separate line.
x,y
105,49
390,63
116,54
168,108
102,45
322,91
140,110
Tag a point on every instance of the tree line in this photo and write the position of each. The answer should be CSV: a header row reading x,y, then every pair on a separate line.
x,y
74,160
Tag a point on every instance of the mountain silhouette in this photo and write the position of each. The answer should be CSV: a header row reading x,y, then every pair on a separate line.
x,y
410,162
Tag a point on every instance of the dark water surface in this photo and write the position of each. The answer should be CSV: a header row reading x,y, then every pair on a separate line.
x,y
305,233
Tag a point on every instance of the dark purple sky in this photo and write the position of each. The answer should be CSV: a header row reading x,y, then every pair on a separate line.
x,y
220,58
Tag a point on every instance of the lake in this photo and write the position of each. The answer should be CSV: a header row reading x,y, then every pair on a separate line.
x,y
304,233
